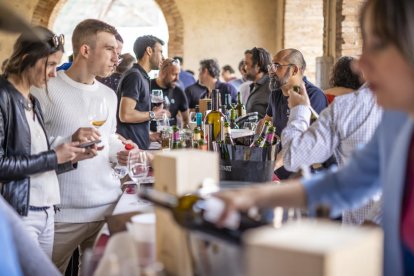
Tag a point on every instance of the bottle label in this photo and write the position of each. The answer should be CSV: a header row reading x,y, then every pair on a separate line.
x,y
196,136
208,135
176,136
269,137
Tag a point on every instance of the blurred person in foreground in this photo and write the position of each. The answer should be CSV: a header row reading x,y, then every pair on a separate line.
x,y
387,161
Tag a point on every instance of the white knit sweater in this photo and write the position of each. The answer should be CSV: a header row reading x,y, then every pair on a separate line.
x,y
90,192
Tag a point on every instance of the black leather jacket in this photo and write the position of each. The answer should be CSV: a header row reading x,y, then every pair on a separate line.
x,y
16,162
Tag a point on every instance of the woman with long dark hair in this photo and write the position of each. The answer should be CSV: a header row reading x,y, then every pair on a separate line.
x,y
28,165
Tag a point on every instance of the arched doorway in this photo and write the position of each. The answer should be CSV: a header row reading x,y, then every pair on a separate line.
x,y
46,13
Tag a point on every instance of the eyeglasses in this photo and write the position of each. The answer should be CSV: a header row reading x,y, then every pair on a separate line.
x,y
274,66
57,40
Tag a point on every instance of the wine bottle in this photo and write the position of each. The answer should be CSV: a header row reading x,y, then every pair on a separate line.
x,y
176,143
213,122
233,117
269,137
261,137
227,134
200,214
199,121
196,138
314,114
241,109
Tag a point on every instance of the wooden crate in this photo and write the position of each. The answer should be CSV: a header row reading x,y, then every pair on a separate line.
x,y
178,172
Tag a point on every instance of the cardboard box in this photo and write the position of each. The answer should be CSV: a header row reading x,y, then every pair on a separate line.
x,y
178,172
314,248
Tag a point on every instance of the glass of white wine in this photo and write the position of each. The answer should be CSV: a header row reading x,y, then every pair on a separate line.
x,y
98,112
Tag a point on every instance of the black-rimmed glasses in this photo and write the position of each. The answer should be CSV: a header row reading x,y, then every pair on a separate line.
x,y
57,40
273,67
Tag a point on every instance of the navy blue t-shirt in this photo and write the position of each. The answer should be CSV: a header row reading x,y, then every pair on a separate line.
x,y
278,106
135,84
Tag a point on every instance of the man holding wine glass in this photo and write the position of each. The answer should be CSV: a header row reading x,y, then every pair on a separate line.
x,y
134,112
77,102
175,100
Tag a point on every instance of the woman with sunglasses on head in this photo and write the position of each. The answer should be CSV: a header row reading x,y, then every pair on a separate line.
x,y
28,165
387,161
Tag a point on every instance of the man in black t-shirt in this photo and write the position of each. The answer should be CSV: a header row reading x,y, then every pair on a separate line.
x,y
174,98
208,79
134,109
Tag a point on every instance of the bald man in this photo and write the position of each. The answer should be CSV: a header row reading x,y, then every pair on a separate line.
x,y
174,98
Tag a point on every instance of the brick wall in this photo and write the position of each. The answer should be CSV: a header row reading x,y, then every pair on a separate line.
x,y
196,28
304,30
348,31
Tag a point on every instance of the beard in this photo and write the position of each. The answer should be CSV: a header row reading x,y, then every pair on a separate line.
x,y
276,82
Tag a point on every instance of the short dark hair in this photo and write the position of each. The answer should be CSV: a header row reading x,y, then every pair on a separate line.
x,y
295,57
142,42
228,68
261,57
342,74
212,67
85,33
118,37
26,51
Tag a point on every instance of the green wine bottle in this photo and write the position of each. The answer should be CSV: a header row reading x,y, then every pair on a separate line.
x,y
269,137
241,109
213,122
200,214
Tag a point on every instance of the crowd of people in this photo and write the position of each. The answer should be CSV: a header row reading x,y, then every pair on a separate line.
x,y
56,193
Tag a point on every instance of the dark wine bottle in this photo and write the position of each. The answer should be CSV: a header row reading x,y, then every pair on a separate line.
x,y
201,214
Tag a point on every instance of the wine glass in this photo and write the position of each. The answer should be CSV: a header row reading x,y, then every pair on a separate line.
x,y
98,112
157,97
137,165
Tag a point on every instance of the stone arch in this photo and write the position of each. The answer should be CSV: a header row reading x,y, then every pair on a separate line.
x,y
46,10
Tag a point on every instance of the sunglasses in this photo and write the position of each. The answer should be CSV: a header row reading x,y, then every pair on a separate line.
x,y
56,41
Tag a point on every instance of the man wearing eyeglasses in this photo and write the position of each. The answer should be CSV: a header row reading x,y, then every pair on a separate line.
x,y
175,99
287,70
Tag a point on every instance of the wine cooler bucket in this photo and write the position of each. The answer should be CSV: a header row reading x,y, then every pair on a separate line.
x,y
251,164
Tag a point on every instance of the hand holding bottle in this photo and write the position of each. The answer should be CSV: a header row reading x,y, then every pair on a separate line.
x,y
298,96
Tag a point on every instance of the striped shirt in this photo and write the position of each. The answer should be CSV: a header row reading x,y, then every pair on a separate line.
x,y
345,125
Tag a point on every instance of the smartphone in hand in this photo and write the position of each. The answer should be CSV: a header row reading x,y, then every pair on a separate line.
x,y
89,144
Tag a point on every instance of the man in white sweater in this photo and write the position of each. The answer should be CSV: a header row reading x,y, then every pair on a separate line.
x,y
90,192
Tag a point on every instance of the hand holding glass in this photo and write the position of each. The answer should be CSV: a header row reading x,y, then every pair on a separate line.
x,y
157,97
137,165
98,112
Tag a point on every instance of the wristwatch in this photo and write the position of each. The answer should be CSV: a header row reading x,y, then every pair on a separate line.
x,y
152,115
